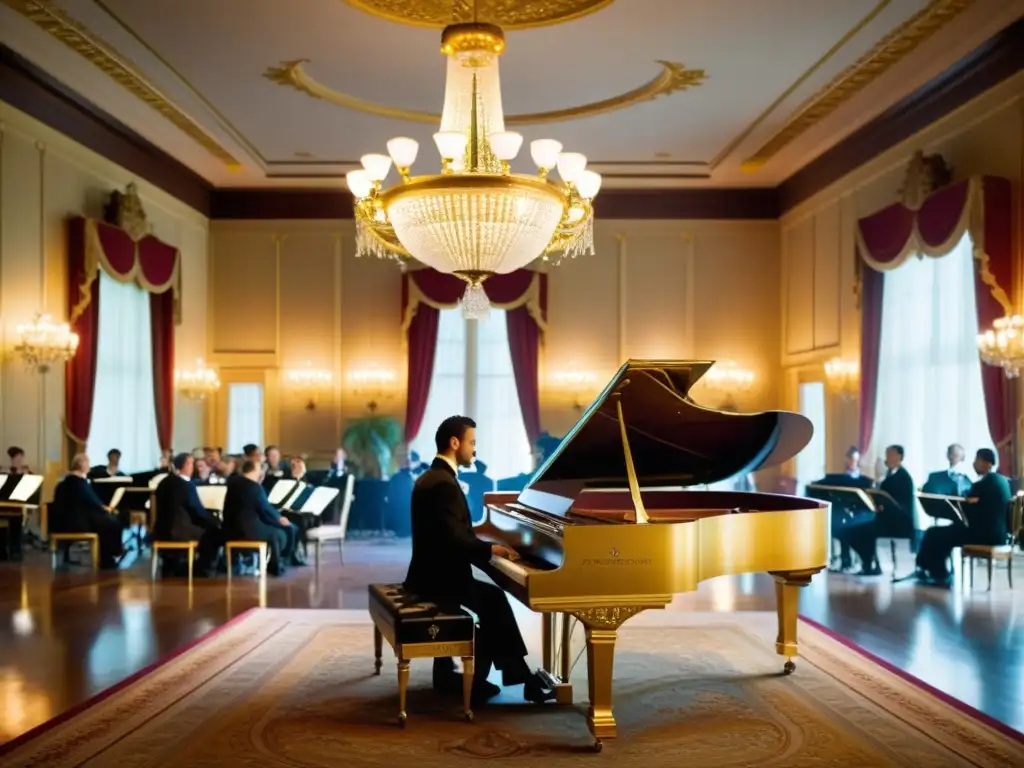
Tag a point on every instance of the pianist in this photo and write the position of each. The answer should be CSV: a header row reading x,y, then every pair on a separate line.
x,y
985,512
444,549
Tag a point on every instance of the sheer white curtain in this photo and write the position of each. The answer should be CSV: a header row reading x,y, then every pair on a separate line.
x,y
448,386
123,410
502,443
473,376
929,373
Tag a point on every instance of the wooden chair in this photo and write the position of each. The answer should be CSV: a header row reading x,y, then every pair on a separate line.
x,y
420,631
264,556
189,546
999,552
337,532
92,538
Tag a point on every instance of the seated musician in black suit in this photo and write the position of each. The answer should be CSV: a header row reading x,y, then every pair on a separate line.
x,y
202,474
985,511
77,509
338,473
180,515
16,468
273,466
844,520
112,468
888,522
18,465
444,549
949,482
248,516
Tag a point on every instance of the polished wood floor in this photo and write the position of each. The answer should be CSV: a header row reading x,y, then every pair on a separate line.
x,y
67,635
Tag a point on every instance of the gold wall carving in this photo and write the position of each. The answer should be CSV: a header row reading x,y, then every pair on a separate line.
x,y
888,51
510,14
101,54
674,77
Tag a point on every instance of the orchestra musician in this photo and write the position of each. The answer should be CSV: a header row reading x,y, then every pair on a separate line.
x,y
985,513
899,522
949,482
844,519
180,515
77,509
444,549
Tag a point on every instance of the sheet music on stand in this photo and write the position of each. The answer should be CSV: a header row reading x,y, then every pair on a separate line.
x,y
280,491
117,497
289,502
156,480
319,500
883,501
116,480
26,488
212,496
943,507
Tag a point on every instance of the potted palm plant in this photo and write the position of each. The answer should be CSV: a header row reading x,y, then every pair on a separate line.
x,y
370,442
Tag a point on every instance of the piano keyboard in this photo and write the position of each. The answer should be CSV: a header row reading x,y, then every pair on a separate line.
x,y
515,571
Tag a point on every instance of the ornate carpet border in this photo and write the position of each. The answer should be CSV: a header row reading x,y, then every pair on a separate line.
x,y
962,707
106,693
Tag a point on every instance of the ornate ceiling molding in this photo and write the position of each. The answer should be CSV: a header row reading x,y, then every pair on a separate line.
x,y
674,77
509,14
118,68
888,51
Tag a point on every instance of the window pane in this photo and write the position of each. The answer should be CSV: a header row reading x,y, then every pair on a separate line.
x,y
810,462
124,411
448,386
502,443
245,415
929,377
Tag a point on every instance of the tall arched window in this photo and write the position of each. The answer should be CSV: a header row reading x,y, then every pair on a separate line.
x,y
473,376
123,409
929,372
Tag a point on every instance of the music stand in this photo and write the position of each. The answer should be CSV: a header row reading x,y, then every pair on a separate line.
x,y
845,500
941,507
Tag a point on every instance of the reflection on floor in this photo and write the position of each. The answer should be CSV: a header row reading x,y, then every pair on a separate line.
x,y
65,636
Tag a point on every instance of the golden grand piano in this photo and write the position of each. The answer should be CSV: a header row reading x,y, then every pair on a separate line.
x,y
605,527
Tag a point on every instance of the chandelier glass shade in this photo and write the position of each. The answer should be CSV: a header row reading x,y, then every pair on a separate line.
x,y
1003,345
843,377
476,218
198,383
44,343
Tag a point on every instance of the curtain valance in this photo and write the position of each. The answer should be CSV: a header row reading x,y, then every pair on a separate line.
x,y
522,288
149,262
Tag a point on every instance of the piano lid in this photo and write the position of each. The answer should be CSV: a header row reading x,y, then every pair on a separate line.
x,y
671,440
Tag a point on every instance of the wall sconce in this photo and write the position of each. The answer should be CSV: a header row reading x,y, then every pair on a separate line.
x,y
843,377
44,343
576,383
310,383
373,383
726,379
198,383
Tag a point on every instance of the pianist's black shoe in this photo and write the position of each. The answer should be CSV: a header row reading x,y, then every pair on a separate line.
x,y
535,692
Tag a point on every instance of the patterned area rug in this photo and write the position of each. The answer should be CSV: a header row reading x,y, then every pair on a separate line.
x,y
293,688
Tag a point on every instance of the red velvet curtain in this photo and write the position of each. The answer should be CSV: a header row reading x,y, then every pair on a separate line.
x,y
981,206
153,265
522,293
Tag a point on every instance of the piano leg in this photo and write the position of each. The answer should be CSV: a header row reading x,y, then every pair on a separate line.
x,y
602,625
787,605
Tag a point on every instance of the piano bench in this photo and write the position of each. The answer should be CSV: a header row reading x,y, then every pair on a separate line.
x,y
92,539
417,630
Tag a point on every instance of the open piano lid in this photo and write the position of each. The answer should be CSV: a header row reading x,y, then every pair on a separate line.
x,y
672,441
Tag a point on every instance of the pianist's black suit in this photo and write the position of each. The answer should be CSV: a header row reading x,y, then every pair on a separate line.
x,y
444,550
180,516
249,516
77,509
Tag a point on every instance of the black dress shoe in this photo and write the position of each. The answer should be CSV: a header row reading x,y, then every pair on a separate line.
x,y
870,572
535,692
482,693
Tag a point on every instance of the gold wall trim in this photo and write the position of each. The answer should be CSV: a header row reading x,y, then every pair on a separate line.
x,y
850,34
891,49
101,54
674,77
510,14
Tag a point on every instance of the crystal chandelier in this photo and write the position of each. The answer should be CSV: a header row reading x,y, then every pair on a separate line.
x,y
196,384
42,343
1003,345
843,377
310,382
476,218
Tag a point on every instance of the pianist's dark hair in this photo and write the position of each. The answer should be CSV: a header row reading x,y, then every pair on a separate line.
x,y
249,449
180,459
897,449
15,451
453,426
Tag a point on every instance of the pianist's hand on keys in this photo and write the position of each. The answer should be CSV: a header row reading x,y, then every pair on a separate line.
x,y
500,550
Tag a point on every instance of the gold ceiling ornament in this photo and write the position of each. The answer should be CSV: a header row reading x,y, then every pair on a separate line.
x,y
118,68
673,78
476,218
508,14
890,50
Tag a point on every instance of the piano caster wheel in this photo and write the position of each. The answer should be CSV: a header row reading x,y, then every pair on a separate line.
x,y
469,717
401,720
788,668
598,746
